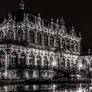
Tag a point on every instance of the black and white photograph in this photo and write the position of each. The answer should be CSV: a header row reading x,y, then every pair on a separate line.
x,y
45,46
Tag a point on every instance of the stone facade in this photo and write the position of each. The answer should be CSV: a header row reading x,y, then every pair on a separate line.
x,y
30,46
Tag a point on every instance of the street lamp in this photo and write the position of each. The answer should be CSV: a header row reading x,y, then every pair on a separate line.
x,y
80,66
54,64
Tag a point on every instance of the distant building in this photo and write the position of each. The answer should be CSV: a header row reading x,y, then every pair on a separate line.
x,y
31,47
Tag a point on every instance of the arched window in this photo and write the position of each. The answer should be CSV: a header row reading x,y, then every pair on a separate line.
x,y
20,35
91,64
46,61
84,62
31,60
39,38
57,42
39,60
76,46
13,60
22,59
67,44
1,35
58,60
72,46
51,60
2,59
68,64
63,43
45,40
31,36
52,41
62,63
10,35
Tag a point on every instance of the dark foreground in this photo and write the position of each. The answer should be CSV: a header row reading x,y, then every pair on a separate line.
x,y
36,81
53,87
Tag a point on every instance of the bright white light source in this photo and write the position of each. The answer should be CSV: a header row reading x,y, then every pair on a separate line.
x,y
54,63
80,65
80,90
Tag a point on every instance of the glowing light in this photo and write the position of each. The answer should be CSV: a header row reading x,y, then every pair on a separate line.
x,y
80,90
54,63
54,86
80,65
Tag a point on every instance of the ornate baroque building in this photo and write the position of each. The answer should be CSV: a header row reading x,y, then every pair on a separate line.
x,y
31,46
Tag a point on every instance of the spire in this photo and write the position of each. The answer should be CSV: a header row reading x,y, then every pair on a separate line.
x,y
80,34
57,21
52,23
72,28
62,21
22,6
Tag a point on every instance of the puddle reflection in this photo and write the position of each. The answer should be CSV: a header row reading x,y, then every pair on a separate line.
x,y
47,88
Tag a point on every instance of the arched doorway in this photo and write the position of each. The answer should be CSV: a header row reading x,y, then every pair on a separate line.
x,y
2,59
10,35
51,41
20,35
57,42
31,60
1,35
22,64
45,40
2,63
31,36
22,60
39,61
46,63
39,38
13,60
39,65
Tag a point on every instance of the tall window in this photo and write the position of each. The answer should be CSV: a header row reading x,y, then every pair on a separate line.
x,y
22,59
68,64
39,38
46,61
58,60
2,59
67,44
10,35
31,36
20,35
13,60
91,64
51,60
52,41
31,60
45,40
1,35
39,60
62,63
72,46
76,46
63,43
57,42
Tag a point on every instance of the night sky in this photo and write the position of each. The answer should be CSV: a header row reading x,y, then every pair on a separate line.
x,y
78,14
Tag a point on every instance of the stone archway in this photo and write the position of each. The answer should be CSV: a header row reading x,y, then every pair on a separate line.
x,y
39,61
2,63
20,35
22,65
39,66
31,60
46,61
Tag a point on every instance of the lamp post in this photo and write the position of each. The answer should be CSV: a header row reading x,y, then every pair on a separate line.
x,y
80,66
54,64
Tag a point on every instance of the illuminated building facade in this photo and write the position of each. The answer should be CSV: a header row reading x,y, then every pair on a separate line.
x,y
31,47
